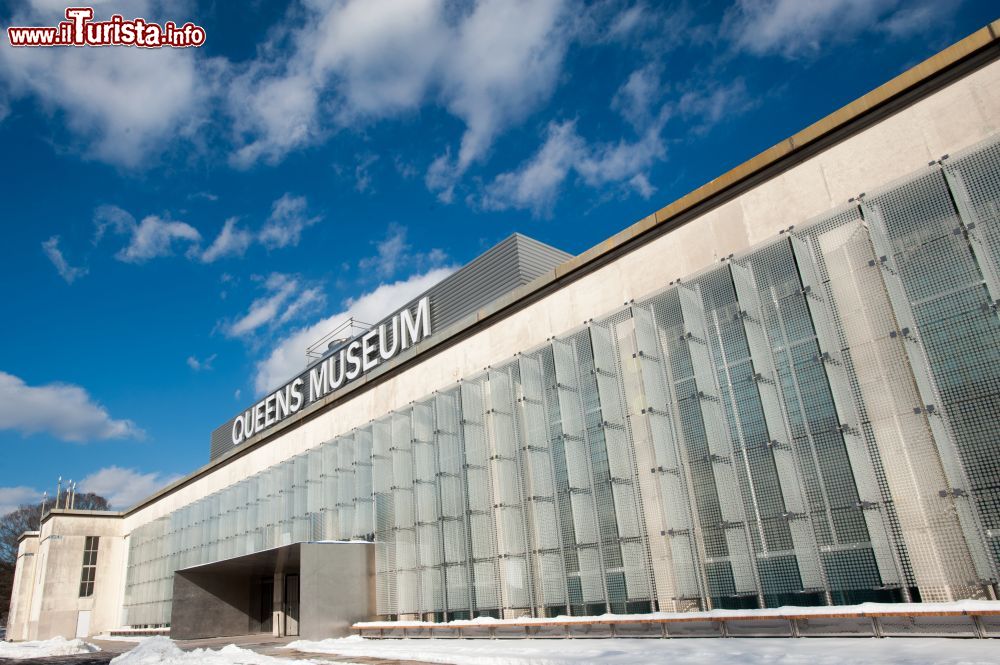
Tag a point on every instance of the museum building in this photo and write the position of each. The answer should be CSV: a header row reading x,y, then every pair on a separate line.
x,y
781,389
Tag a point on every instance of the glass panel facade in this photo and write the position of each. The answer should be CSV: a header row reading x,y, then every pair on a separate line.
x,y
810,422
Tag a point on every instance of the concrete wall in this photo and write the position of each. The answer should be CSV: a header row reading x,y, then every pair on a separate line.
x,y
48,594
337,588
24,579
210,605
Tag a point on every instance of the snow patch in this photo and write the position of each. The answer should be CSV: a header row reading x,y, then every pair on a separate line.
x,y
163,651
621,651
57,646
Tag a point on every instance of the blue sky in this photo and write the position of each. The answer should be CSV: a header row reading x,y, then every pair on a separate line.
x,y
179,224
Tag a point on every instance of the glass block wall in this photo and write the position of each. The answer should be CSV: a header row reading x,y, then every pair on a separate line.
x,y
810,422
325,494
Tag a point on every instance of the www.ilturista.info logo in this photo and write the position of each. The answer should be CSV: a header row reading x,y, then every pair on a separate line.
x,y
80,30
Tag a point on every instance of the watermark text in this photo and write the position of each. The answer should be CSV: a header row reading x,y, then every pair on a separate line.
x,y
79,29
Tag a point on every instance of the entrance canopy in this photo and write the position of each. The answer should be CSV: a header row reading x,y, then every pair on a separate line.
x,y
316,590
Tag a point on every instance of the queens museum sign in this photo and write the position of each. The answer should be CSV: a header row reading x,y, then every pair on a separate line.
x,y
362,354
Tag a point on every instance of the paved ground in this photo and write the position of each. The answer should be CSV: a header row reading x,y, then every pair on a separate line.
x,y
108,651
269,646
98,658
330,658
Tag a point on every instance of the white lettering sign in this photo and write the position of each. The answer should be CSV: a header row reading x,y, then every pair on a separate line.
x,y
359,356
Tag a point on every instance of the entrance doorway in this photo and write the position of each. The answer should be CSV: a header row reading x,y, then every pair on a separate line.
x,y
262,605
83,623
291,605
315,590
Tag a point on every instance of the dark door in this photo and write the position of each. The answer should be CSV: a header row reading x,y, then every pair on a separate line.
x,y
291,604
262,605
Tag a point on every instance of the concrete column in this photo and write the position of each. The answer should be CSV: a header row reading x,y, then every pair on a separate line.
x,y
278,616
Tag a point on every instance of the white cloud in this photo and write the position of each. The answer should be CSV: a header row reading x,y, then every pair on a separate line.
x,y
917,17
285,300
505,61
124,488
62,410
228,281
287,221
288,356
155,237
151,238
619,162
435,257
331,65
124,105
391,251
66,271
379,54
264,310
231,241
536,183
11,498
797,28
405,169
353,62
306,299
114,218
713,102
273,115
654,29
640,183
636,98
362,176
201,365
629,20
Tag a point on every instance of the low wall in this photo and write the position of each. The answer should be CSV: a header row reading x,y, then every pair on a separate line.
x,y
974,622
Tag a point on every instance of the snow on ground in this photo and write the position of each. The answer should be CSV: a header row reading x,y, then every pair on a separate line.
x,y
162,651
57,646
698,651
